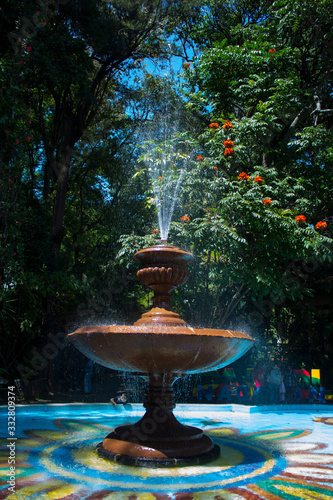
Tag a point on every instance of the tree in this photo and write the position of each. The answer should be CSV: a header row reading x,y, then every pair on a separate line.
x,y
266,70
257,196
69,78
55,76
78,103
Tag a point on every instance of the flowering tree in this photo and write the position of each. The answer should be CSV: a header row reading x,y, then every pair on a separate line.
x,y
259,195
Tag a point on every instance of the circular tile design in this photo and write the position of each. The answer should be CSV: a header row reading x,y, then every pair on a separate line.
x,y
63,463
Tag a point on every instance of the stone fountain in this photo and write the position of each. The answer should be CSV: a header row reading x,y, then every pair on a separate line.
x,y
160,347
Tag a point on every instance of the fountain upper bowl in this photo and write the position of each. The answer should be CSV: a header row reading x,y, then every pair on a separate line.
x,y
153,348
160,341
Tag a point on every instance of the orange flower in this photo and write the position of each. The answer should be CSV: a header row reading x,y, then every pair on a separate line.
x,y
228,125
244,176
229,152
160,178
321,225
154,231
184,218
267,201
228,143
186,65
216,168
214,125
300,218
199,158
272,50
258,179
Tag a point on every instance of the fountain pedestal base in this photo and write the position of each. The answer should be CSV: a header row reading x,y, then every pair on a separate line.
x,y
158,439
191,446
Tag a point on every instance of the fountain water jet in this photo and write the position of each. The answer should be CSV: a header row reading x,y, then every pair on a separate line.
x,y
165,152
161,347
166,173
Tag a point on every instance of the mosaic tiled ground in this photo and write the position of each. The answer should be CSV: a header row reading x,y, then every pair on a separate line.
x,y
58,461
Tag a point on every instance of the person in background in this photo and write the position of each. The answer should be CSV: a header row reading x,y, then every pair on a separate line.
x,y
290,383
233,390
274,381
258,377
88,376
243,393
282,390
119,400
265,390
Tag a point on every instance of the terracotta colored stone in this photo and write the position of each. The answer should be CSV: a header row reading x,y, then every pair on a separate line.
x,y
161,347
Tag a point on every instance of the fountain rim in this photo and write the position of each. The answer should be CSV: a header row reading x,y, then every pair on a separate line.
x,y
159,252
160,330
137,408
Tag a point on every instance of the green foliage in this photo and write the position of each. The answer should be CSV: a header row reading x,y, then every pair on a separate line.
x,y
261,66
254,242
78,103
64,83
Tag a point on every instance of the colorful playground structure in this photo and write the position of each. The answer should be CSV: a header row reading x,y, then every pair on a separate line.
x,y
225,387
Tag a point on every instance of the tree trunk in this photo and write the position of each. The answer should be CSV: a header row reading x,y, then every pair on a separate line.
x,y
57,233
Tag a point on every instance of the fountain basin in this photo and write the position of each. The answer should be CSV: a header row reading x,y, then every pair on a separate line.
x,y
285,450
